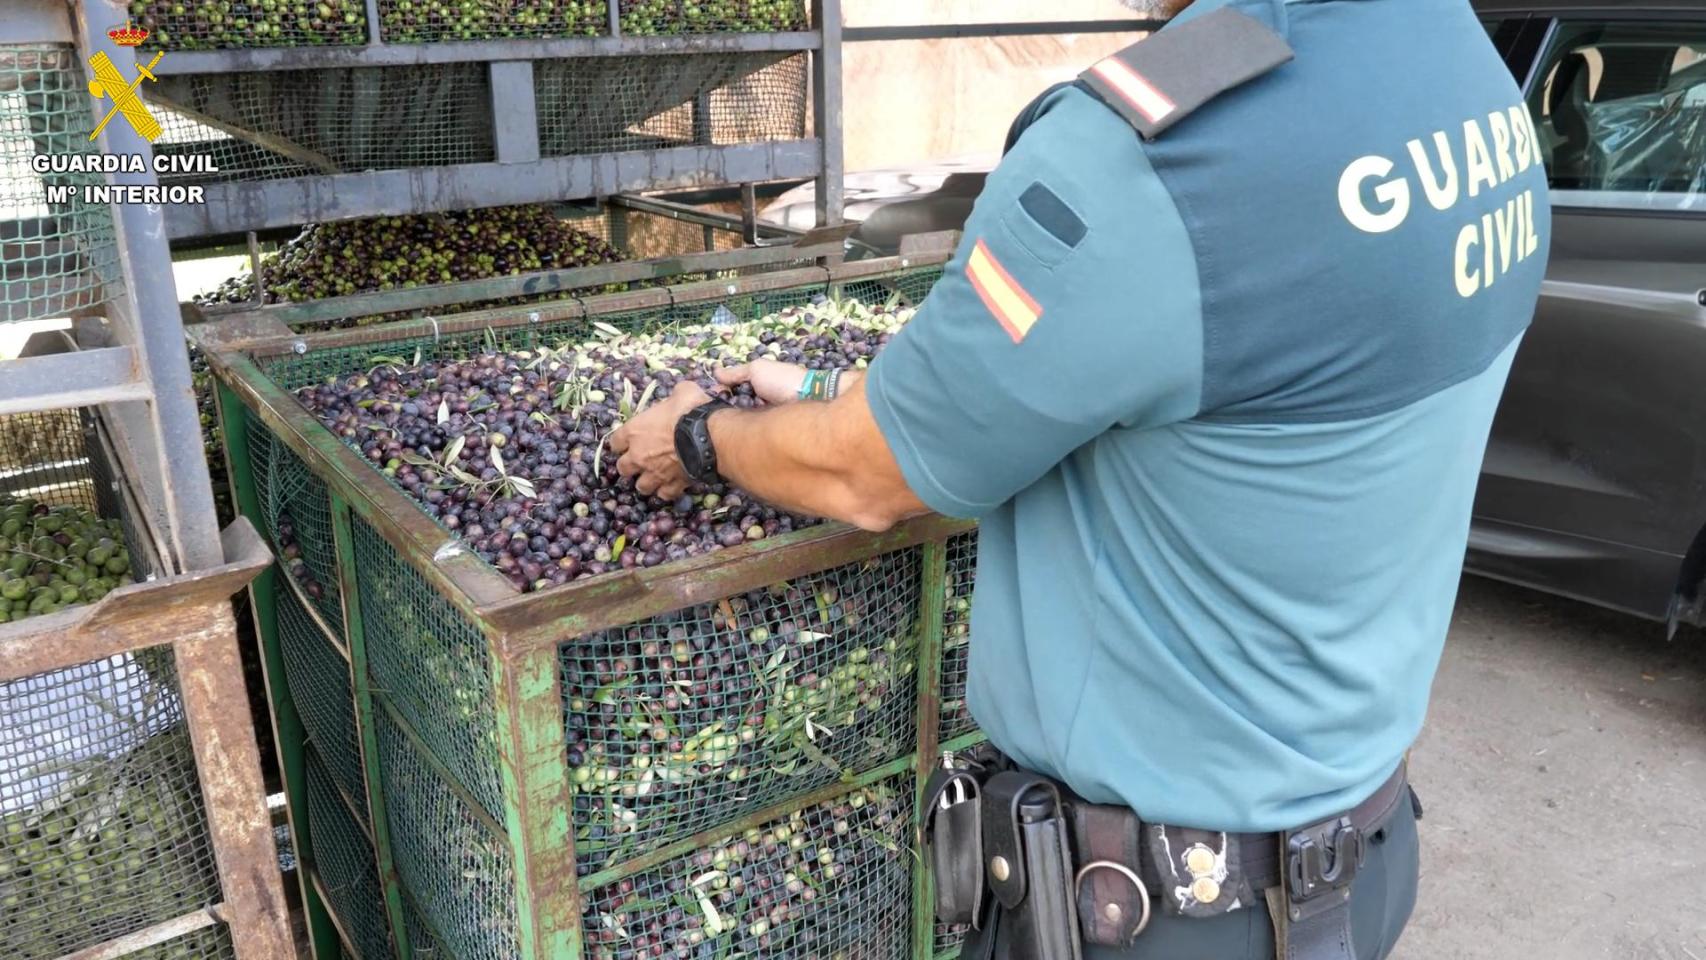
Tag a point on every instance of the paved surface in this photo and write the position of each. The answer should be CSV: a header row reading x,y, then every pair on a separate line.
x,y
1563,773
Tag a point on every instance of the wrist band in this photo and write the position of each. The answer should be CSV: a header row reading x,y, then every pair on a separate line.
x,y
806,385
832,384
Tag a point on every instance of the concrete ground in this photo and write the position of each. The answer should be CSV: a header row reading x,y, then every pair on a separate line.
x,y
1562,773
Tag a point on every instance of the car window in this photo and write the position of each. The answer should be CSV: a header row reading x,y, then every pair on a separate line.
x,y
1620,108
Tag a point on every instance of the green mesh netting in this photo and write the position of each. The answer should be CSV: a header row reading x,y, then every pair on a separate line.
x,y
57,253
102,828
610,104
319,681
296,512
278,124
956,636
459,871
691,719
832,880
651,17
431,664
346,865
424,943
949,938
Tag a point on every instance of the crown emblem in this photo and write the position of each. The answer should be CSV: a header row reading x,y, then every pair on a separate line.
x,y
128,35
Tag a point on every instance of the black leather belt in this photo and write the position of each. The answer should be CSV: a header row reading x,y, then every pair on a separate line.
x,y
1117,870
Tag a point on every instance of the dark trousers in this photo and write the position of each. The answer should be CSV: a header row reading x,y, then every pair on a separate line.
x,y
1382,896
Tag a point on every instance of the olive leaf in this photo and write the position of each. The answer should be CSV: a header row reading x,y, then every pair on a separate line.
x,y
498,461
454,449
443,412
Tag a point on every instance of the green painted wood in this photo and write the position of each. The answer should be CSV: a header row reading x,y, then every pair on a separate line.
x,y
287,723
362,685
537,797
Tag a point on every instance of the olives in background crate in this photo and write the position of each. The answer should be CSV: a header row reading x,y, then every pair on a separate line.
x,y
56,557
391,253
228,24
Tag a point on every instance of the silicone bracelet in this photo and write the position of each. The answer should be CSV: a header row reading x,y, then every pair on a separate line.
x,y
806,384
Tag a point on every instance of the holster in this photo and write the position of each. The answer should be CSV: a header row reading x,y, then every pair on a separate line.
x,y
953,844
1030,866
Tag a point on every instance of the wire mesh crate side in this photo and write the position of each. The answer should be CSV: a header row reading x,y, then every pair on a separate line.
x,y
692,719
830,880
319,682
429,21
297,508
459,872
57,252
431,664
195,25
611,104
956,636
949,938
661,17
270,125
346,865
424,943
102,828
208,943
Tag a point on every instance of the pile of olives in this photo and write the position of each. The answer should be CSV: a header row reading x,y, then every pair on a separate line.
x,y
53,557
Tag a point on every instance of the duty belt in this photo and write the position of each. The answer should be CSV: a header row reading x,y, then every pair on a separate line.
x,y
1064,870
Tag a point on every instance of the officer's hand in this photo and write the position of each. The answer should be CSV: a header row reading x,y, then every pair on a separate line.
x,y
646,444
772,380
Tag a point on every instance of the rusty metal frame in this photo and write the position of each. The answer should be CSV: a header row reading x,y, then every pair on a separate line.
x,y
524,631
191,612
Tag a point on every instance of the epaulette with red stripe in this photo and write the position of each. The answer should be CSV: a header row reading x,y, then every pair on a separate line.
x,y
1166,76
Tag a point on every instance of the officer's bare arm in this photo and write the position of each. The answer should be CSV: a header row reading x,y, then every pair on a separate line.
x,y
819,459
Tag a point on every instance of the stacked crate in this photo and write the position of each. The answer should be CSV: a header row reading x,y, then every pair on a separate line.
x,y
493,751
132,820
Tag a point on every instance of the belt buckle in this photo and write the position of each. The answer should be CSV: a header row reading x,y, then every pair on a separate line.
x,y
1321,862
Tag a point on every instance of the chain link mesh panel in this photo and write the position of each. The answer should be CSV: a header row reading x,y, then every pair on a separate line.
x,y
102,829
949,938
653,17
832,880
44,456
458,869
426,21
205,25
346,865
691,719
609,104
319,681
297,514
956,636
289,123
431,664
208,943
423,941
57,253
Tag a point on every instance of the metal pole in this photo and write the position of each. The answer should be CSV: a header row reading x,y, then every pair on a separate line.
x,y
374,37
165,433
826,110
255,268
614,8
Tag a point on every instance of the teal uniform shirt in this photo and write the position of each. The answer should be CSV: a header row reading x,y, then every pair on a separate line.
x,y
1220,400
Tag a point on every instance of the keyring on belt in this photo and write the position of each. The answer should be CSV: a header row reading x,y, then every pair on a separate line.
x,y
1124,871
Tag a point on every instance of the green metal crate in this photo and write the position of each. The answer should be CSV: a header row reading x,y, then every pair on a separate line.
x,y
345,865
956,636
317,674
516,823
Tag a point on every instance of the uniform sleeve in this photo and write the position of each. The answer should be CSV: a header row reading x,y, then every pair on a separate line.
x,y
1071,308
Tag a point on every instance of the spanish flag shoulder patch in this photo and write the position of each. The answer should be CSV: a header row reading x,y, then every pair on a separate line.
x,y
1003,295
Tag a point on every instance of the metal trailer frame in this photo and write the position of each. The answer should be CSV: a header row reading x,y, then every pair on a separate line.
x,y
134,363
523,631
519,174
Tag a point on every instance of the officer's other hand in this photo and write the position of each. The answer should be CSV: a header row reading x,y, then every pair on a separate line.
x,y
772,380
646,443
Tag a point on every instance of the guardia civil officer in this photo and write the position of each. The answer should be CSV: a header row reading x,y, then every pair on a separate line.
x,y
1215,367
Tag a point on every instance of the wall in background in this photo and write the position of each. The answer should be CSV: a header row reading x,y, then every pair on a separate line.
x,y
918,101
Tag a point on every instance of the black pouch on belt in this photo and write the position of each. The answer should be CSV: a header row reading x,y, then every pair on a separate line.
x,y
1030,866
953,841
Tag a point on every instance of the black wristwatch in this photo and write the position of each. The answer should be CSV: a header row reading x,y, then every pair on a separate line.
x,y
693,441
